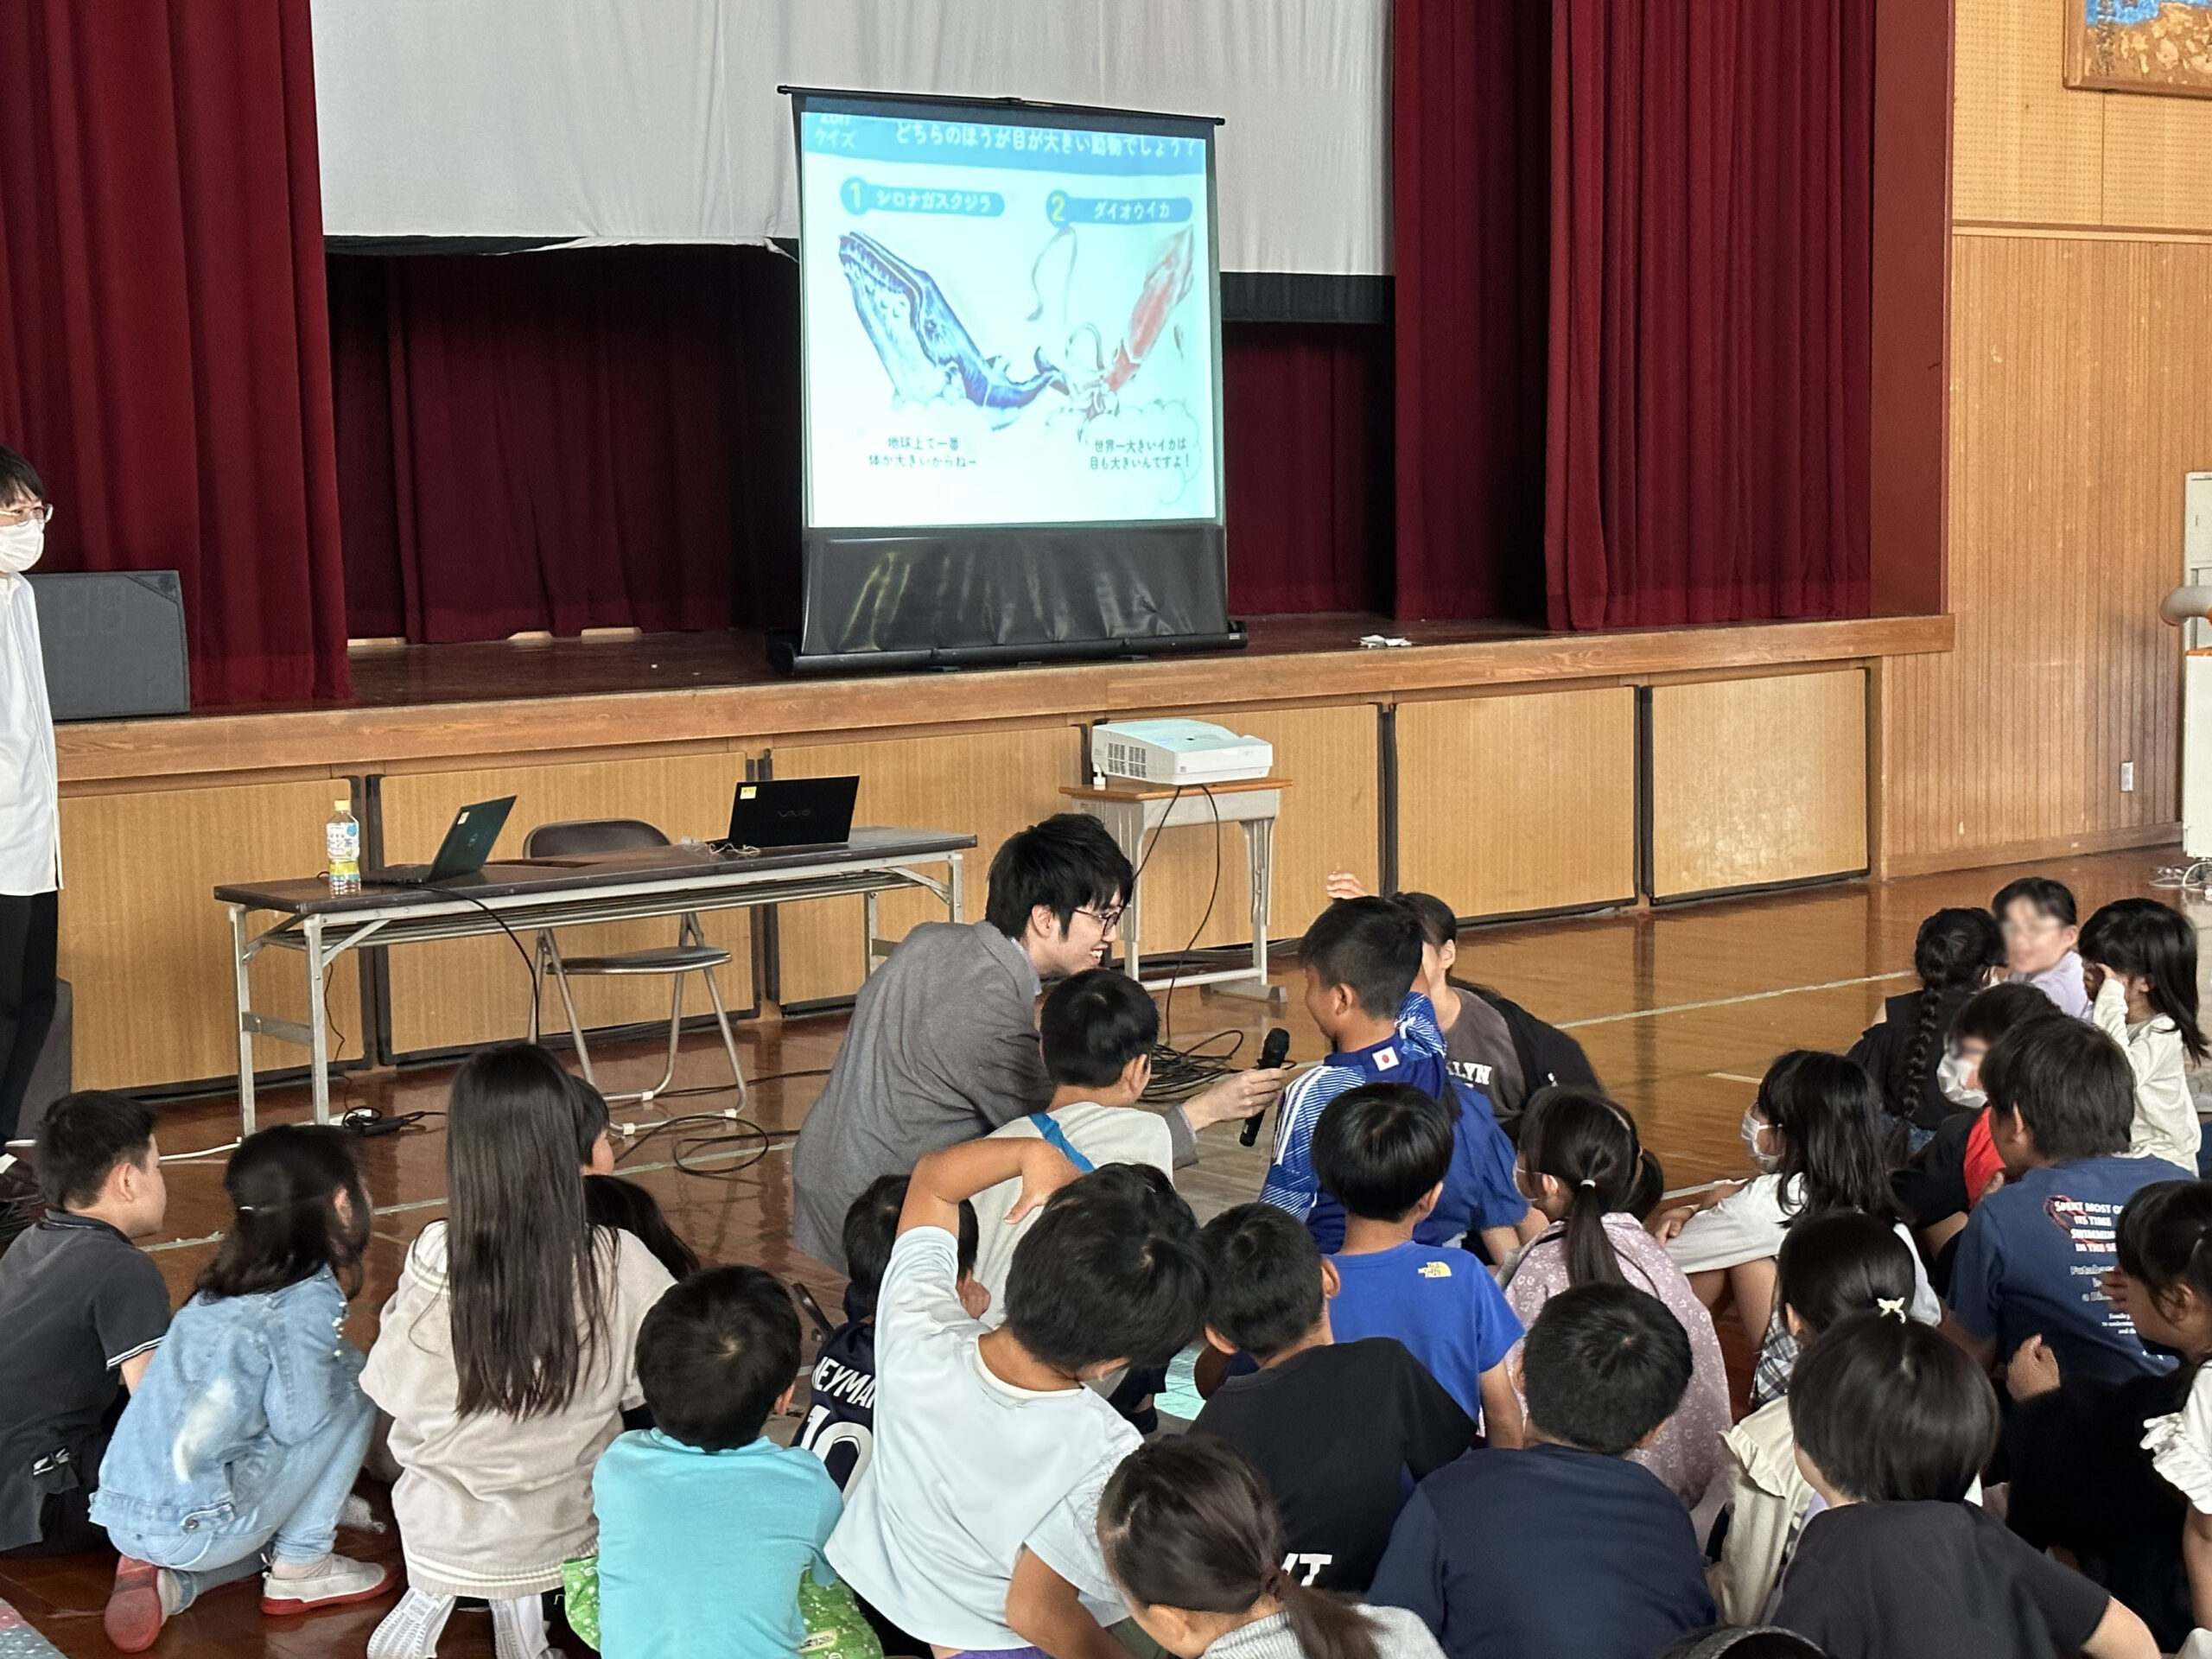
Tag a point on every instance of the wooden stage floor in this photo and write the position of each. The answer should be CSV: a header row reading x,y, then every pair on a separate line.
x,y
1681,1009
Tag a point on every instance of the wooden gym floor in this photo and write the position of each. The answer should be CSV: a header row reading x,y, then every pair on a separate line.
x,y
1680,1009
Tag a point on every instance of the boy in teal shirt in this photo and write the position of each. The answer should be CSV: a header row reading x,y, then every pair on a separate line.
x,y
704,1526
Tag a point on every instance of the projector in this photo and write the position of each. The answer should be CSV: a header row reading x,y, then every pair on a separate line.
x,y
1176,752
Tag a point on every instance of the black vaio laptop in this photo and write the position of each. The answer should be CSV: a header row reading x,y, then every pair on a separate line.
x,y
463,851
787,814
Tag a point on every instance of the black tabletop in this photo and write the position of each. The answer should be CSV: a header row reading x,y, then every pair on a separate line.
x,y
311,895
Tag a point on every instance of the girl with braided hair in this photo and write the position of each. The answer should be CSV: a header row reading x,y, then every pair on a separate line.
x,y
1952,954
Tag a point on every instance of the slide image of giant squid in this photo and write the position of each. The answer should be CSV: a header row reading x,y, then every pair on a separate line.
x,y
1166,286
924,347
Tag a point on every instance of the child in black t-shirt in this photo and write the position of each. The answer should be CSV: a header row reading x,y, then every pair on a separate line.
x,y
841,1419
1893,1421
1334,1428
82,1309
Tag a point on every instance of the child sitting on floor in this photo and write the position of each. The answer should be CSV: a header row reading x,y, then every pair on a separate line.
x,y
840,1427
1579,1159
610,1201
505,1360
705,1527
246,1433
1339,1476
1954,954
2141,958
2037,917
975,1527
1195,1547
1381,1151
1566,1547
82,1307
1893,1424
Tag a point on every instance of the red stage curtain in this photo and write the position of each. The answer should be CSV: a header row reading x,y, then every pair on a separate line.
x,y
1470,202
1711,310
589,438
164,356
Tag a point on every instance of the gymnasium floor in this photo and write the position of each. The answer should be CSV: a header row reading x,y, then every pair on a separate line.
x,y
1680,1009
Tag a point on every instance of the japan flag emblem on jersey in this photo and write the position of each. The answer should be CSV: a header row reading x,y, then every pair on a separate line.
x,y
1386,1059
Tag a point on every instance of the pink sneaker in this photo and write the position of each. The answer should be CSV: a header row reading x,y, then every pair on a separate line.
x,y
134,1608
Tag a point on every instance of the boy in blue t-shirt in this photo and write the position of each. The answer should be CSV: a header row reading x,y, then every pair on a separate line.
x,y
1361,957
2062,1102
1382,1150
704,1526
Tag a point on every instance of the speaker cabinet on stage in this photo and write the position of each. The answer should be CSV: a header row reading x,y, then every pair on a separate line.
x,y
114,643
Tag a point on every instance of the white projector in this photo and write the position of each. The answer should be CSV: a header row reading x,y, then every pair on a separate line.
x,y
1176,752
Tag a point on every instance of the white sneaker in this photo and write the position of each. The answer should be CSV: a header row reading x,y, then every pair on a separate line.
x,y
340,1581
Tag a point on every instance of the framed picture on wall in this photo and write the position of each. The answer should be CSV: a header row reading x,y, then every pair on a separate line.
x,y
2139,45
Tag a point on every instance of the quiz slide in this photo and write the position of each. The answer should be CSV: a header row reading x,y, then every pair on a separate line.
x,y
1006,324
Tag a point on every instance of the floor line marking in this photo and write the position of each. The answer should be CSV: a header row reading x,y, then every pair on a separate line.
x,y
1729,1002
780,1143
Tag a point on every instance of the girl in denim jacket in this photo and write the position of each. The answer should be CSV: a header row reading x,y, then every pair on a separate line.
x,y
244,1438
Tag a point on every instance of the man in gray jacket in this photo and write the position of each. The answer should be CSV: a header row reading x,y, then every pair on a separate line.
x,y
943,1045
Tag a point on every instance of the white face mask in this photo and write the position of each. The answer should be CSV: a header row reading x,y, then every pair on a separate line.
x,y
1951,1079
21,545
1749,1128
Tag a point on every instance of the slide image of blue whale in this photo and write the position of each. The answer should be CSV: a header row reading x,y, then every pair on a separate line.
x,y
925,349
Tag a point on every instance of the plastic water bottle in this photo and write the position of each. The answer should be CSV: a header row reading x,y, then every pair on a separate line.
x,y
342,843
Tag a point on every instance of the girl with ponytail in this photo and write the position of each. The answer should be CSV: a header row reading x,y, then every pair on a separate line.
x,y
1578,1164
1192,1540
1952,954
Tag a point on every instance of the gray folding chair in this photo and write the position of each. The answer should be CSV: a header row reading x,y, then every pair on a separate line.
x,y
691,954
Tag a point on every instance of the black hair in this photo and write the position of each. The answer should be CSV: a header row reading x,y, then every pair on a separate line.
x,y
2166,1238
523,1263
1186,1522
872,1228
1438,926
1828,1114
1603,1366
282,1183
1988,1016
1108,1270
1839,1263
1370,945
1379,1149
1890,1410
2145,939
18,478
1743,1641
1953,953
1264,1276
2068,1081
1650,1186
610,1201
1066,863
587,1106
714,1354
1589,1146
2054,899
84,1137
1093,1024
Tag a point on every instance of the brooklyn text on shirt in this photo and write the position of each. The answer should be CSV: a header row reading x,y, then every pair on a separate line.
x,y
1470,1071
1307,1564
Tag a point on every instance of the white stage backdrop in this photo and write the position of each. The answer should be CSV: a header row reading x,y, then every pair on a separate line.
x,y
659,120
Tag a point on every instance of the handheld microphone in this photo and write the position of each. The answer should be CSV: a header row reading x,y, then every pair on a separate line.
x,y
1275,1054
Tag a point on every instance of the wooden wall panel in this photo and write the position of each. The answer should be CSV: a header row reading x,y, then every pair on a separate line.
x,y
146,947
988,784
1757,781
1330,819
2024,150
2081,392
1519,803
478,991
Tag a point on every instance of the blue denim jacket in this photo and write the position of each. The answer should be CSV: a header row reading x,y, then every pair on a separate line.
x,y
238,1378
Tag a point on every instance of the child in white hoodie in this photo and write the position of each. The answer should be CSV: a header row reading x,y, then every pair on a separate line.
x,y
2140,970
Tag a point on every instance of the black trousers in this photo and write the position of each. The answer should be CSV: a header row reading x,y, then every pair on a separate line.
x,y
28,932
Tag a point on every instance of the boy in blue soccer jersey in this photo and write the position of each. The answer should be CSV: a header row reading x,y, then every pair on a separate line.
x,y
1383,1150
1361,956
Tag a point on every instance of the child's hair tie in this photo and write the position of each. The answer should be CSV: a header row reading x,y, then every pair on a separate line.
x,y
1891,1306
1588,1181
245,1209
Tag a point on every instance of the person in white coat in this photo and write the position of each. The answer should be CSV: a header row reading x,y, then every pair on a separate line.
x,y
30,833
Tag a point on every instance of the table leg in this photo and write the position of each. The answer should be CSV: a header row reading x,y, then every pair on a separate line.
x,y
243,989
869,931
318,1019
956,875
1259,859
1125,823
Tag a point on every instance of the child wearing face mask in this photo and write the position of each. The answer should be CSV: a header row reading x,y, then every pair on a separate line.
x,y
31,823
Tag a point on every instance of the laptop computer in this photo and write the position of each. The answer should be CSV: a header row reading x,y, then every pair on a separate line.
x,y
791,814
467,844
